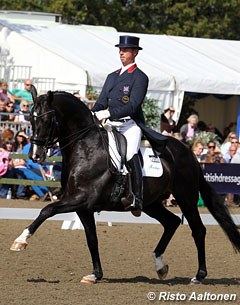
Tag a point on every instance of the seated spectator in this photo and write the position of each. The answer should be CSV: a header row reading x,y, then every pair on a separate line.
x,y
226,144
5,94
20,140
229,200
6,170
10,110
7,144
202,126
167,124
230,154
197,149
33,165
213,154
189,130
236,157
25,94
23,112
7,133
2,109
22,172
216,131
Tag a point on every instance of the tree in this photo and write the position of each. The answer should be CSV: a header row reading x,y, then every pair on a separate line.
x,y
202,18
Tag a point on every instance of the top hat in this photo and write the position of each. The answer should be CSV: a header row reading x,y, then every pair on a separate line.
x,y
128,42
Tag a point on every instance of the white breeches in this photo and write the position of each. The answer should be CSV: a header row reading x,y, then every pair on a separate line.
x,y
133,135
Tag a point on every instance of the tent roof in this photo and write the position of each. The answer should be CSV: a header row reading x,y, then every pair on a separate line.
x,y
172,63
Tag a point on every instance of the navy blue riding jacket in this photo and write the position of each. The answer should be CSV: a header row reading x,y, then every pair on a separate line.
x,y
123,94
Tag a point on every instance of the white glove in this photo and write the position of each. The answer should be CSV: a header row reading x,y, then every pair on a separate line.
x,y
102,114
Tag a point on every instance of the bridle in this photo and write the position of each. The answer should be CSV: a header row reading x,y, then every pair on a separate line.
x,y
53,137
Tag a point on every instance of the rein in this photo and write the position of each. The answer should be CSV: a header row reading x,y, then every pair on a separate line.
x,y
53,139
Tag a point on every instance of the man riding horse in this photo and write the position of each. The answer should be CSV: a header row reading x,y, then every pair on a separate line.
x,y
120,102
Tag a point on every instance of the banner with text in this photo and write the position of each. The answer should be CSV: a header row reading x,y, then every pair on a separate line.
x,y
224,177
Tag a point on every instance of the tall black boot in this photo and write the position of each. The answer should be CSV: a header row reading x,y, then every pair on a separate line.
x,y
137,185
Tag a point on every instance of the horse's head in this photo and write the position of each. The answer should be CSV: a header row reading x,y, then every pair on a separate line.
x,y
44,127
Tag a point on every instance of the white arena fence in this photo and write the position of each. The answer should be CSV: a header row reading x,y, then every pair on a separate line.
x,y
72,222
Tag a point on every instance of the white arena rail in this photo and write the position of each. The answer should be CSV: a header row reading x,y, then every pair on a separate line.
x,y
71,220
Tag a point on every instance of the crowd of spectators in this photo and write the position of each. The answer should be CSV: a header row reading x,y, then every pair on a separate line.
x,y
207,143
205,140
15,107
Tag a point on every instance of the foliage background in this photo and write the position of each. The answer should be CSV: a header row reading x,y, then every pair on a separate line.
x,y
202,18
216,19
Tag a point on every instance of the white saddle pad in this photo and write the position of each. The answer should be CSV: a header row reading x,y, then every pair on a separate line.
x,y
152,166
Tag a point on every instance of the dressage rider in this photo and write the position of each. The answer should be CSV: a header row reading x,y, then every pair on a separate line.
x,y
120,101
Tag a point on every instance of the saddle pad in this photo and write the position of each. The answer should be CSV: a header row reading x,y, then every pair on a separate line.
x,y
152,166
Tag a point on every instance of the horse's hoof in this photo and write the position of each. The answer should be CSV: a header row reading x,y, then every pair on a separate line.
x,y
195,281
162,273
136,213
17,246
89,279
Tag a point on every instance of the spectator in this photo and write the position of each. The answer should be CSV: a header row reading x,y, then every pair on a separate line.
x,y
167,124
25,94
6,170
7,133
21,140
189,130
229,200
202,126
216,131
230,154
236,157
4,94
213,154
197,149
2,108
22,171
24,113
10,111
226,144
7,144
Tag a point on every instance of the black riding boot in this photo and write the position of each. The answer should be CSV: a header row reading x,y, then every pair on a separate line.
x,y
137,185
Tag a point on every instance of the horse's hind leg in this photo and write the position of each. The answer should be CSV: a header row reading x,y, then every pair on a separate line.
x,y
170,223
190,211
48,211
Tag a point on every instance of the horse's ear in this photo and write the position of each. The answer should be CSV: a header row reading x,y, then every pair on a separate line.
x,y
49,97
34,94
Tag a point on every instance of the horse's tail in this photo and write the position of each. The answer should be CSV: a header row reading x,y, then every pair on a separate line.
x,y
219,211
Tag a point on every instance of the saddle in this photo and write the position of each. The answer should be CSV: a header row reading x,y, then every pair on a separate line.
x,y
121,144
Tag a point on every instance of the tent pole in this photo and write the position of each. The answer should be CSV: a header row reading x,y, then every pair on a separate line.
x,y
238,119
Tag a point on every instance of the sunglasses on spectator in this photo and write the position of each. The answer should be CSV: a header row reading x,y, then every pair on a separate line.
x,y
27,84
20,136
25,105
211,146
234,142
10,106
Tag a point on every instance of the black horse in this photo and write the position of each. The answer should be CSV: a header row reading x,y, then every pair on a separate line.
x,y
87,181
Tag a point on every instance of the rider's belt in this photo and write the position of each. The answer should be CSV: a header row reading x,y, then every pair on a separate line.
x,y
121,120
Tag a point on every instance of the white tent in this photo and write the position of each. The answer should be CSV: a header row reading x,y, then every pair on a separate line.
x,y
77,56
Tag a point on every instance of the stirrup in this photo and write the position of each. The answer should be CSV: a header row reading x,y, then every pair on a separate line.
x,y
129,203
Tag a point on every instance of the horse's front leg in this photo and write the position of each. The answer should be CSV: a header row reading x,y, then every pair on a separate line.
x,y
50,210
88,222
